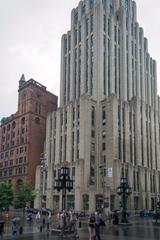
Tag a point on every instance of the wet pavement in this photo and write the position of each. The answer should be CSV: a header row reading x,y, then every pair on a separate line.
x,y
141,228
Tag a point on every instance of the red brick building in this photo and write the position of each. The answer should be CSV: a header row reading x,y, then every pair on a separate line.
x,y
22,134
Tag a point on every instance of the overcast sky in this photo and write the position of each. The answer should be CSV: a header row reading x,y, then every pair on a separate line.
x,y
30,38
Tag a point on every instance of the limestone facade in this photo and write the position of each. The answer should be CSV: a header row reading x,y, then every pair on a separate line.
x,y
108,122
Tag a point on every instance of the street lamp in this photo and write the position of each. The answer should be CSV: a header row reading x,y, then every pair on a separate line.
x,y
102,175
124,191
63,183
43,169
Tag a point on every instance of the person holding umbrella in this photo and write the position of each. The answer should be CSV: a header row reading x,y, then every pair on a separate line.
x,y
15,220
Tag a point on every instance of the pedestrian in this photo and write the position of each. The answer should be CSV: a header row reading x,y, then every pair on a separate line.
x,y
14,229
20,230
109,217
73,223
97,226
91,226
43,222
115,218
48,227
49,215
1,230
38,216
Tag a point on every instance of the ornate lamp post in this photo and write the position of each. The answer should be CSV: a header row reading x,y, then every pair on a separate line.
x,y
43,169
124,191
63,183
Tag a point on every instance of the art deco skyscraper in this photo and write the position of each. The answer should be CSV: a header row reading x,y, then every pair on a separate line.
x,y
108,121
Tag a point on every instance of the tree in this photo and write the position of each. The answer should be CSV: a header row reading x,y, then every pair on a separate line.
x,y
6,194
24,195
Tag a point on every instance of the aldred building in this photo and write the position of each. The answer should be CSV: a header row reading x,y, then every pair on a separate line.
x,y
22,134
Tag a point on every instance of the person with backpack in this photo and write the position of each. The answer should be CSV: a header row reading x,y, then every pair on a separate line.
x,y
91,226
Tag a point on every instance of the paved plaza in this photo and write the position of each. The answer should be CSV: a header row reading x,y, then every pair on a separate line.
x,y
141,228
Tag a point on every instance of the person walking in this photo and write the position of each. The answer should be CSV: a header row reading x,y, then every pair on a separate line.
x,y
97,226
91,226
1,229
38,216
43,222
14,229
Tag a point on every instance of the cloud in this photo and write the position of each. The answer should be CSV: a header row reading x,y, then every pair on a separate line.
x,y
30,42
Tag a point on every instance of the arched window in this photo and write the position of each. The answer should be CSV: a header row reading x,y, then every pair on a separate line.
x,y
23,120
13,125
8,127
4,129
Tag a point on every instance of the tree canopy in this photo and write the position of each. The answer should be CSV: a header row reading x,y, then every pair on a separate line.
x,y
6,194
24,195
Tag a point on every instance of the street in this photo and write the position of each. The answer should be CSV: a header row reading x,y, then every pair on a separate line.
x,y
141,228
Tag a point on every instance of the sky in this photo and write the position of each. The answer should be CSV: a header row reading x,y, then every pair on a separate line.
x,y
30,42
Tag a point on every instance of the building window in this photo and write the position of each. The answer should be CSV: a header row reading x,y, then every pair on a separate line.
x,y
103,146
103,115
103,134
72,146
10,171
104,26
91,23
93,116
13,125
93,134
22,130
6,154
92,148
87,26
6,164
76,18
21,149
21,160
73,171
10,162
4,130
79,33
19,170
23,120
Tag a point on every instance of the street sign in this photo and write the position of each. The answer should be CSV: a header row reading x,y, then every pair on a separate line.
x,y
110,172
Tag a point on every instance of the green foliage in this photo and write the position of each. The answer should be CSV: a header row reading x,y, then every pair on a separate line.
x,y
6,194
2,121
24,195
